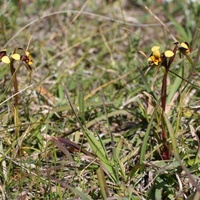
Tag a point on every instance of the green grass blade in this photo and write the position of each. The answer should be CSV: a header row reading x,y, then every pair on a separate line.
x,y
184,35
81,104
102,183
171,134
99,151
82,195
145,140
174,87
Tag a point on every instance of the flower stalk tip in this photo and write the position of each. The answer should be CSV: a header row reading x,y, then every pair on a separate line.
x,y
25,57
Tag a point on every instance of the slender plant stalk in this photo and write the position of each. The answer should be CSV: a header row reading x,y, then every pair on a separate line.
x,y
164,90
15,83
16,100
165,149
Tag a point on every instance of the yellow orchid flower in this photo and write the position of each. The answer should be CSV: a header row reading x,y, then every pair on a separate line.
x,y
184,48
29,61
3,57
155,57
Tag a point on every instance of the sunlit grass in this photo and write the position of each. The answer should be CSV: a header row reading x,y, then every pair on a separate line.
x,y
89,116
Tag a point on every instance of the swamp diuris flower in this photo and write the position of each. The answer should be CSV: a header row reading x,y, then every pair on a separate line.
x,y
27,60
155,57
184,48
7,59
25,57
3,57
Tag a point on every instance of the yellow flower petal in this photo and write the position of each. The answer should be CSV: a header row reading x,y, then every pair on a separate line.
x,y
30,62
149,59
184,48
169,53
15,56
155,48
184,45
156,53
155,57
5,59
27,53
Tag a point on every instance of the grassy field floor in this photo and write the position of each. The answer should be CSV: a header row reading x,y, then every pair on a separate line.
x,y
100,99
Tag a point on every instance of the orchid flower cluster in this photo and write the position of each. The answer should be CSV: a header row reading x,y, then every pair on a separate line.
x,y
157,58
166,59
24,57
